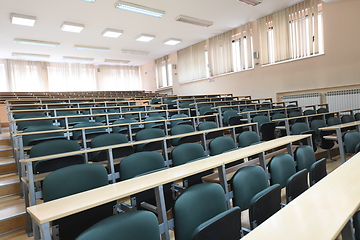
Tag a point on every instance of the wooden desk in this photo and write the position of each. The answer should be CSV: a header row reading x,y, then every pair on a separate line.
x,y
322,212
337,129
50,211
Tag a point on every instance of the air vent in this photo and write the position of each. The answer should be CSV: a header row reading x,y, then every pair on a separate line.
x,y
133,52
194,21
251,2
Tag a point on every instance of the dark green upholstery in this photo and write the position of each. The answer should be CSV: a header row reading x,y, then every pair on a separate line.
x,y
73,120
182,121
296,185
55,147
107,140
196,205
112,118
25,124
154,124
266,128
206,110
304,156
228,114
264,204
316,124
351,139
260,119
90,133
281,167
244,112
180,129
221,144
356,219
139,163
357,116
29,140
299,128
247,138
256,181
210,125
29,115
309,112
149,134
124,129
333,121
347,119
72,180
322,110
137,225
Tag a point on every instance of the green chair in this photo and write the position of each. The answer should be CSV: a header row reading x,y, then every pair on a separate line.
x,y
137,225
146,134
351,140
73,120
25,124
29,140
231,117
89,133
141,163
357,116
247,138
124,129
317,171
107,140
29,115
309,112
180,129
199,211
331,121
266,128
302,128
210,125
322,110
305,157
221,144
281,167
155,124
72,180
296,185
347,118
55,147
182,121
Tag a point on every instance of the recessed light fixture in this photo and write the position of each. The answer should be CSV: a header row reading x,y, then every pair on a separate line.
x,y
194,21
113,33
72,27
24,20
100,49
145,37
15,54
35,42
251,2
139,9
117,61
90,1
78,59
172,41
133,52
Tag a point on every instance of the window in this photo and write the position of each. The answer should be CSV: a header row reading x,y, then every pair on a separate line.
x,y
292,33
163,72
3,79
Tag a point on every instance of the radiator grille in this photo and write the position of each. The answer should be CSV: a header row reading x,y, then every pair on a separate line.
x,y
304,98
343,100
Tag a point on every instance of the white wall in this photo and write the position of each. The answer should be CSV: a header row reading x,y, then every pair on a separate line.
x,y
339,66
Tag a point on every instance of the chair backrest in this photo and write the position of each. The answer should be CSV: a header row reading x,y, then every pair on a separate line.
x,y
278,116
196,205
77,134
304,157
357,116
176,122
180,129
256,181
316,124
221,144
122,129
140,163
295,113
309,112
206,110
37,138
229,113
130,225
210,125
333,121
347,118
154,118
247,138
317,171
245,110
264,204
260,119
25,124
351,139
322,110
72,180
281,167
187,152
297,184
107,140
267,131
298,128
149,134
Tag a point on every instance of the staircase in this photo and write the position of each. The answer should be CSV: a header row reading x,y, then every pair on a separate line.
x,y
12,207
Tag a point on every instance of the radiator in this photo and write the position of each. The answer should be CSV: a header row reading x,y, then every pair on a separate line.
x,y
304,98
343,100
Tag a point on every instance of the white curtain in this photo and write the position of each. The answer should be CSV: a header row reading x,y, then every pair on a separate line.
x,y
4,87
220,54
192,63
162,72
118,78
26,76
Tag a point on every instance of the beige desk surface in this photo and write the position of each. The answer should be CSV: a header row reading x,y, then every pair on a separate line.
x,y
59,208
344,125
321,212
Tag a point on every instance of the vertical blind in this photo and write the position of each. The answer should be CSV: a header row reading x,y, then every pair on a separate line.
x,y
220,54
162,71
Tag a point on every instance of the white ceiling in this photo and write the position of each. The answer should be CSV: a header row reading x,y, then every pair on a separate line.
x,y
50,14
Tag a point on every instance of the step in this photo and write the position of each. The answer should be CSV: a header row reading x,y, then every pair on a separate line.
x,y
7,165
9,184
5,138
16,235
6,151
12,213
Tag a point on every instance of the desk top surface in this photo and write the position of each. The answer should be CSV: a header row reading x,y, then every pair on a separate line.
x,y
59,208
343,125
321,212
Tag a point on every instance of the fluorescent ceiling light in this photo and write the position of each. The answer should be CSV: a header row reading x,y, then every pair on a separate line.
x,y
24,20
139,9
101,49
172,41
251,2
194,21
145,37
15,54
72,27
113,33
133,52
78,59
91,1
35,42
116,61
